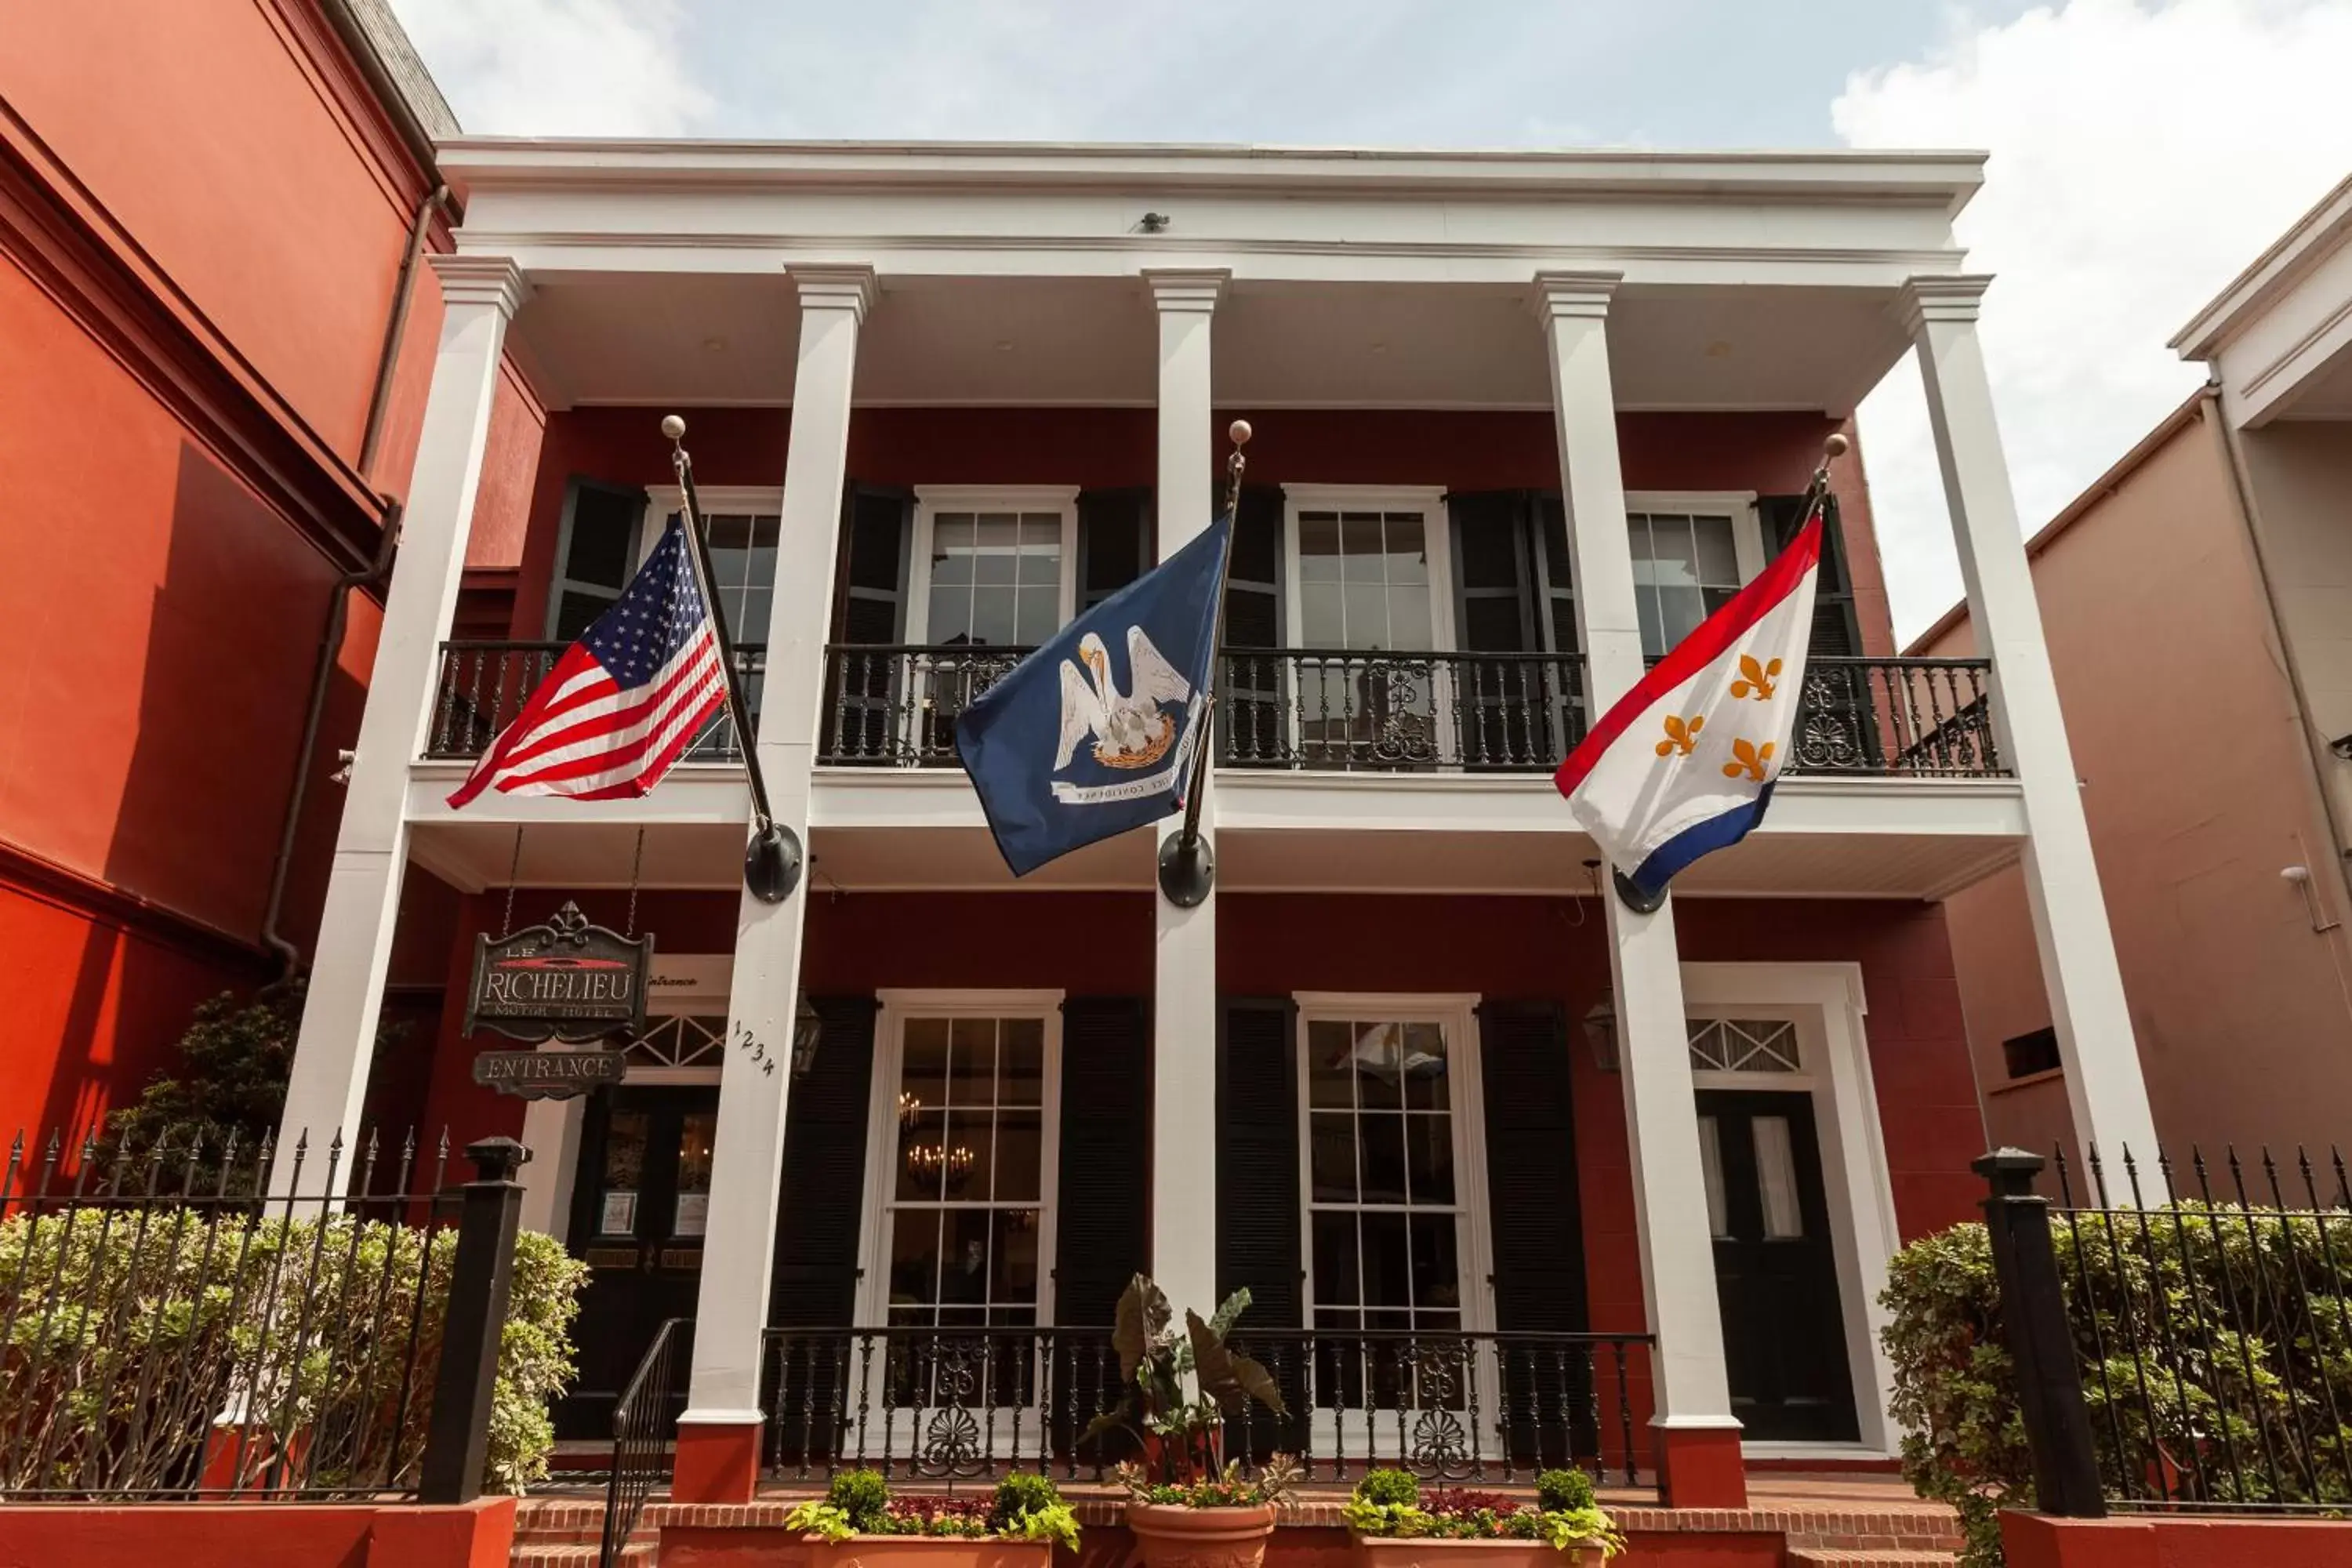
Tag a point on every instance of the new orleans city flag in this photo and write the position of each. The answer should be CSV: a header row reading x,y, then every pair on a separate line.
x,y
1685,762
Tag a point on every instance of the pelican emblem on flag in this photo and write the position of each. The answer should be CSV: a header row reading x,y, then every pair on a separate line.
x,y
1132,729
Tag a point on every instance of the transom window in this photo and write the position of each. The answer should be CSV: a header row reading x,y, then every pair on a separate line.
x,y
965,1203
1386,1203
996,568
1744,1045
680,1041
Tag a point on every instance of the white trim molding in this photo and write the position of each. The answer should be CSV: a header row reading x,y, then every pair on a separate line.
x,y
1827,1004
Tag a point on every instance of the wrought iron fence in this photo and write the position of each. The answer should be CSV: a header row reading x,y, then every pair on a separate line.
x,y
645,1420
1904,716
484,684
172,1324
1312,707
956,1403
897,706
2191,1329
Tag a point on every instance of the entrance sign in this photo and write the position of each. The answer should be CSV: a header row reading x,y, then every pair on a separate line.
x,y
566,979
549,1074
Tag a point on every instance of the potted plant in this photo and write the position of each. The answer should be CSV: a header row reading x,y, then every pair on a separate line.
x,y
1188,1506
860,1522
1394,1526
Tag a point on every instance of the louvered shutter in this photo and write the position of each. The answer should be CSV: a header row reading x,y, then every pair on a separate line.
x,y
1837,634
1258,1221
1115,544
1250,721
1535,1223
1102,1232
824,1185
870,610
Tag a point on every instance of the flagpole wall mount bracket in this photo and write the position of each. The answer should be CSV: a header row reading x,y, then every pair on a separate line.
x,y
1188,869
771,863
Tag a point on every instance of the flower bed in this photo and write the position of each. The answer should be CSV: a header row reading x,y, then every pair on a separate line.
x,y
1394,1523
1021,1522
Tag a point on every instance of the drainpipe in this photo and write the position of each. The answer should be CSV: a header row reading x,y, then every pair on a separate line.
x,y
388,358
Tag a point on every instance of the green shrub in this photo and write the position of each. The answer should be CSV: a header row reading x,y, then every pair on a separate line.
x,y
1559,1491
862,1496
1020,1493
2169,1282
1388,1488
131,1337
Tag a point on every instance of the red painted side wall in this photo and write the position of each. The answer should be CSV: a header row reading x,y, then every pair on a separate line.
x,y
1771,454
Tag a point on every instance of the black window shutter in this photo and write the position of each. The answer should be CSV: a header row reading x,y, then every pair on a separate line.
x,y
1494,583
823,1188
1257,1159
1557,581
1102,1233
1837,633
1535,1223
1115,544
1250,724
877,531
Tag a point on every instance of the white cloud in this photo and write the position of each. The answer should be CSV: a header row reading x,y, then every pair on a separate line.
x,y
2142,154
559,67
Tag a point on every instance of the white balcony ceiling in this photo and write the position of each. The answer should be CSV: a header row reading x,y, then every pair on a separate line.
x,y
688,339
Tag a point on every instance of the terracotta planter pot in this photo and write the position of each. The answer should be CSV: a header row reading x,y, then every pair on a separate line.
x,y
1172,1537
928,1552
1421,1552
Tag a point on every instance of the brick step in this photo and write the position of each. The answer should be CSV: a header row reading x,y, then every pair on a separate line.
x,y
636,1554
1866,1557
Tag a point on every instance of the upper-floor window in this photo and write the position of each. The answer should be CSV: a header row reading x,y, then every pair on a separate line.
x,y
1691,554
740,524
994,567
1369,568
595,555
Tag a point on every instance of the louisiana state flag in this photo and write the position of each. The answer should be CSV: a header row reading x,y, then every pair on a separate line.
x,y
1685,762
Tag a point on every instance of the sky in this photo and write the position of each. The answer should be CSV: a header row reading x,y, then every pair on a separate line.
x,y
2143,152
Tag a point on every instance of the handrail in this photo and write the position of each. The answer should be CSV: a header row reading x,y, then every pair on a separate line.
x,y
642,1419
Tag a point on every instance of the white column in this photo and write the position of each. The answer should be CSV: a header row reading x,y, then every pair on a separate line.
x,y
747,1157
2103,1083
1184,981
1661,1113
329,1081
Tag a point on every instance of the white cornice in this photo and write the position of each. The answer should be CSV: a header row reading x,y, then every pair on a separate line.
x,y
470,278
1573,294
1196,289
836,288
2315,236
1941,296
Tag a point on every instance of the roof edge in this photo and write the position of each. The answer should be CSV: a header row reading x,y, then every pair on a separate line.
x,y
2308,241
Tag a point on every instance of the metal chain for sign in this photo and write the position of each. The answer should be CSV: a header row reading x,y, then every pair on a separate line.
x,y
514,873
636,866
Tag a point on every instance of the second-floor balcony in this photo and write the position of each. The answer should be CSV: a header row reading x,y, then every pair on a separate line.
x,y
1322,710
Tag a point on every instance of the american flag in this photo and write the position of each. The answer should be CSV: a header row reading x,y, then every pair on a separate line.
x,y
624,701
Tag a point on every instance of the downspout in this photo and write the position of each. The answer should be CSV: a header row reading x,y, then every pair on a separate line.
x,y
2233,458
331,641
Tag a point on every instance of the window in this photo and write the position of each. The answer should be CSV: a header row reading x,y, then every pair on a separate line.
x,y
965,1199
2027,1054
993,568
1388,1191
1369,569
1744,1045
1691,554
595,557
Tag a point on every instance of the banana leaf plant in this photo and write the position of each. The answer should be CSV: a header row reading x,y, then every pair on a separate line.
x,y
1180,1434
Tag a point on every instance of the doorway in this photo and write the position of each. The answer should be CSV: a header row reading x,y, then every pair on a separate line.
x,y
641,1202
1775,1267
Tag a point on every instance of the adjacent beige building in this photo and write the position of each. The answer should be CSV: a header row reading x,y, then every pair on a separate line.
x,y
2198,605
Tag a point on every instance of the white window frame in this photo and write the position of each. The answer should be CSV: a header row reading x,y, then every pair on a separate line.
x,y
931,501
1826,1002
1457,1015
1436,535
882,1131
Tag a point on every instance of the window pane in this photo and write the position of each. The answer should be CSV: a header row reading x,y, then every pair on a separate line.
x,y
747,618
1041,531
951,546
1436,1271
971,1153
1637,530
963,1264
923,1082
1379,1056
729,536
1388,1262
1365,609
1382,1139
998,536
1429,1150
1319,547
1020,1153
1408,548
1710,1166
1776,1179
1021,1062
1674,557
1718,559
972,1061
1335,1259
923,1155
1013,1249
1038,615
1330,1080
1360,546
1425,1068
950,614
1320,622
1680,610
1409,623
914,1256
993,621
604,530
1331,1157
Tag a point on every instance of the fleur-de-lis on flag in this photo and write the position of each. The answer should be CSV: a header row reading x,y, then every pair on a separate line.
x,y
1753,760
1681,734
1758,680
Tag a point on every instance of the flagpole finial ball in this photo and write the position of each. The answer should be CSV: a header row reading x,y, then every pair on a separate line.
x,y
1240,432
673,428
1836,447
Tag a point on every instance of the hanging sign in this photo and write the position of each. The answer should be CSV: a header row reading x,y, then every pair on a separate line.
x,y
566,979
549,1074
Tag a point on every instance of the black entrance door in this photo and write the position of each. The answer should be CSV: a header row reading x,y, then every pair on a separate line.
x,y
1784,1335
639,1203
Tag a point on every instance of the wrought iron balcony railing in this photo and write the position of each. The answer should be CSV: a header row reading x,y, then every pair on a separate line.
x,y
485,684
953,1404
895,706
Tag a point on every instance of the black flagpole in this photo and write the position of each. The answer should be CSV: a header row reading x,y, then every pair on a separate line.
x,y
772,861
1188,864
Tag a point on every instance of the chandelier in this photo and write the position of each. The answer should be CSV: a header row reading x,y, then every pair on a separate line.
x,y
930,1159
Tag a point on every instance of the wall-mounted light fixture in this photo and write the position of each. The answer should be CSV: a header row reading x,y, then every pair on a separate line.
x,y
1600,1032
808,1030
